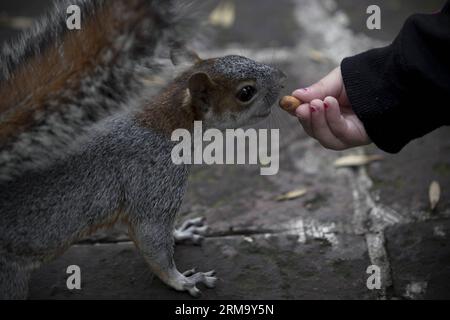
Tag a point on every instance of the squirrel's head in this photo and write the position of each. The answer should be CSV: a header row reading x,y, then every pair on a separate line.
x,y
232,91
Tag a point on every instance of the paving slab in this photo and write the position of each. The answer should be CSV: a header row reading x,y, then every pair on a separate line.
x,y
263,267
402,180
420,259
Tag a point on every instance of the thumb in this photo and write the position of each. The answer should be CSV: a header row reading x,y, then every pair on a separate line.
x,y
331,85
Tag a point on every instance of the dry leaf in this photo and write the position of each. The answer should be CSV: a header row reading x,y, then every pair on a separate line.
x,y
224,15
317,56
356,160
19,23
292,195
248,239
434,194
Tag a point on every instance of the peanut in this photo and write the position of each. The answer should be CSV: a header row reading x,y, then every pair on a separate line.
x,y
290,104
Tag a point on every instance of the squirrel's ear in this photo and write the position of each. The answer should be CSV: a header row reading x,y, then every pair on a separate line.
x,y
181,55
199,86
200,82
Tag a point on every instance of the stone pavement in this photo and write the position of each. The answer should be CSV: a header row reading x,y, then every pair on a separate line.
x,y
315,247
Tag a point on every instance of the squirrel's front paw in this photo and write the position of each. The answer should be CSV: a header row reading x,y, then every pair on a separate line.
x,y
207,278
192,230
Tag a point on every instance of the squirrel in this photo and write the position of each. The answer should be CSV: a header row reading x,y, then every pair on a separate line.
x,y
76,158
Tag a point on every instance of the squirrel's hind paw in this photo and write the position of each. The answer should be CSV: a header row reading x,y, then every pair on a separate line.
x,y
206,278
192,230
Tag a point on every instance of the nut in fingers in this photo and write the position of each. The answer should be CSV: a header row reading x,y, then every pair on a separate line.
x,y
290,104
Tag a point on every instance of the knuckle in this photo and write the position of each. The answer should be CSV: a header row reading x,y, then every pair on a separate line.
x,y
338,129
340,133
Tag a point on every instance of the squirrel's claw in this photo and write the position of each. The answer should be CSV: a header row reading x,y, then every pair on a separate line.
x,y
210,279
189,272
207,278
195,292
199,221
192,230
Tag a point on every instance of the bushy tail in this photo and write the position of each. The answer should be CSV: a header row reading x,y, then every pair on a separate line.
x,y
56,82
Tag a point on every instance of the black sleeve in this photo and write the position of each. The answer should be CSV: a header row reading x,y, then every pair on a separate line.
x,y
402,91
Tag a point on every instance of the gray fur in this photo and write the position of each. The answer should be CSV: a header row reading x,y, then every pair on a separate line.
x,y
124,167
114,85
241,68
268,79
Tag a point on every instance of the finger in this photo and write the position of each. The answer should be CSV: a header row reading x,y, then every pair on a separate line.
x,y
330,85
320,128
303,114
335,120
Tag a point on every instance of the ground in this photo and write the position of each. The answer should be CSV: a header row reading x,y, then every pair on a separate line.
x,y
315,247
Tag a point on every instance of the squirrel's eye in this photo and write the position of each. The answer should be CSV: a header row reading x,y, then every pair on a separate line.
x,y
246,93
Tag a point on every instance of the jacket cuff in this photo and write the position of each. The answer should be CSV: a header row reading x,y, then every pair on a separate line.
x,y
370,83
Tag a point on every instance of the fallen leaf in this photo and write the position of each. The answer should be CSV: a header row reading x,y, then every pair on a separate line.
x,y
317,56
434,194
248,239
224,15
292,195
19,23
356,160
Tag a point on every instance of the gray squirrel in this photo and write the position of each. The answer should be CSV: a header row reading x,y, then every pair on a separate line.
x,y
84,145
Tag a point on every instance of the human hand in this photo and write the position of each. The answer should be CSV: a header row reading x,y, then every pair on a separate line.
x,y
327,116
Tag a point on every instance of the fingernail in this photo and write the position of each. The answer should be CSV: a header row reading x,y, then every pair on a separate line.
x,y
312,109
301,91
326,105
